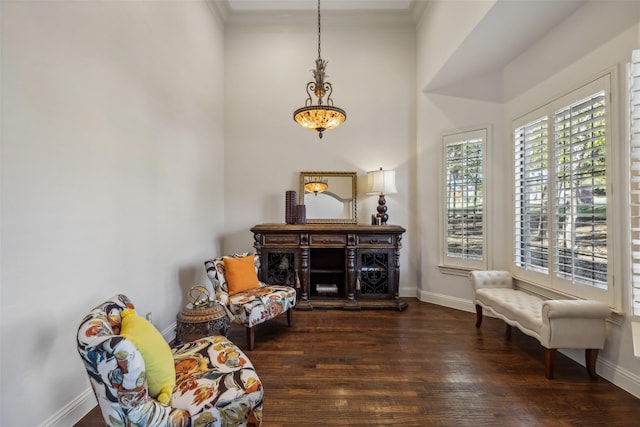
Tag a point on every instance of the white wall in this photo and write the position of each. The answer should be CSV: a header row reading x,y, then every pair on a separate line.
x,y
111,169
451,22
268,62
584,45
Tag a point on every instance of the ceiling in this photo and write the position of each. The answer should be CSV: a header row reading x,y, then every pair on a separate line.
x,y
509,28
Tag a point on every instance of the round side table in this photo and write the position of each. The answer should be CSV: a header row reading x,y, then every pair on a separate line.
x,y
209,320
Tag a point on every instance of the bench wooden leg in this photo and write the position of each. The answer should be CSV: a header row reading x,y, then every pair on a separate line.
x,y
289,316
478,316
549,360
590,357
250,338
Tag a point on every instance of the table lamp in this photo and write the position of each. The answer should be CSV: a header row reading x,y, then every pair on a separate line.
x,y
382,182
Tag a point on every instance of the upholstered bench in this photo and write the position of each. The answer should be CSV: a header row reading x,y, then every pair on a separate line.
x,y
555,323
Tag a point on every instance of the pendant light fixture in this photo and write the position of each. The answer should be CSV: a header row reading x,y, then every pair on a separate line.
x,y
316,184
322,116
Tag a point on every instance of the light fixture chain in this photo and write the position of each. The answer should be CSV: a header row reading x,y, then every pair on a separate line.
x,y
319,29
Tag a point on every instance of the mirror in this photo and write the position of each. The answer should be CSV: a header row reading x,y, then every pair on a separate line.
x,y
329,197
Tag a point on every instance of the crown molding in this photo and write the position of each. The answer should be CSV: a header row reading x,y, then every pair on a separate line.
x,y
290,12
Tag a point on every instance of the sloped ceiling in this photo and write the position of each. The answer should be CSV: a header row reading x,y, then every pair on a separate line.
x,y
511,27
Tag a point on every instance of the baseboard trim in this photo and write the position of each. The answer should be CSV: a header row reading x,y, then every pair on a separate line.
x,y
447,301
73,411
626,380
169,334
623,378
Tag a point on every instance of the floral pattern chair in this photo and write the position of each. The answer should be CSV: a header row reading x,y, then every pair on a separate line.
x,y
253,306
216,384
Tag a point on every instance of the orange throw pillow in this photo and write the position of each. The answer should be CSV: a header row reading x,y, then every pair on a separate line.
x,y
241,274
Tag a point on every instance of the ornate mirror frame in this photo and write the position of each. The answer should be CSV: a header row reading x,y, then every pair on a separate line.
x,y
340,198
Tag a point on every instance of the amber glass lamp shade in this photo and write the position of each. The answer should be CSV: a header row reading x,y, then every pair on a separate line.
x,y
319,117
316,185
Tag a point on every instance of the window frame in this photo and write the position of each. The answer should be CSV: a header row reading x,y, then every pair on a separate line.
x,y
461,265
550,281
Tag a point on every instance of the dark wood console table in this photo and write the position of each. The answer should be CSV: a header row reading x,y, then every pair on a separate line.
x,y
346,266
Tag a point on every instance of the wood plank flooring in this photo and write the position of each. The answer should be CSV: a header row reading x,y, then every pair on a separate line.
x,y
425,366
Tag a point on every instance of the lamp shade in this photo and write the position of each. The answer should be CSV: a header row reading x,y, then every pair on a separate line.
x,y
316,184
319,117
381,182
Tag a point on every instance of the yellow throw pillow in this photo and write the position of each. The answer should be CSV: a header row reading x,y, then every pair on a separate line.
x,y
157,355
241,274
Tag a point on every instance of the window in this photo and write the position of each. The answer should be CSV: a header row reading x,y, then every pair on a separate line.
x,y
634,97
464,231
562,202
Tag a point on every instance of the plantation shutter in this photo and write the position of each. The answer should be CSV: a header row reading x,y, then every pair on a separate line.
x,y
634,96
464,199
463,193
531,218
580,192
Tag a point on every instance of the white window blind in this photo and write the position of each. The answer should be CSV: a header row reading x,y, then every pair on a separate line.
x,y
464,229
531,204
580,192
634,96
562,206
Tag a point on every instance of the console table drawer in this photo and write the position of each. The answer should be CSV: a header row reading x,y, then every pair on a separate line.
x,y
281,239
375,239
327,239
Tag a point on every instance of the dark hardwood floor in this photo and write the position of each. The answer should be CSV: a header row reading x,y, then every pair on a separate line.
x,y
425,366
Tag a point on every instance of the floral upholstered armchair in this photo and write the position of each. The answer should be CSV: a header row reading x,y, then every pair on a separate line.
x,y
248,300
214,385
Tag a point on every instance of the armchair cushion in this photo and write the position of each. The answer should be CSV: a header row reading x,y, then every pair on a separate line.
x,y
215,377
254,306
241,274
157,355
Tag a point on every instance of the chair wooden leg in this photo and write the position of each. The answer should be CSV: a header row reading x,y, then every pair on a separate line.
x,y
549,360
250,338
590,357
478,315
289,322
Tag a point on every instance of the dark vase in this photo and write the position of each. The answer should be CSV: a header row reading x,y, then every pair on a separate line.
x,y
301,214
290,207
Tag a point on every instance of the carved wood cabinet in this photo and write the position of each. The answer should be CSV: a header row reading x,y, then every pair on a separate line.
x,y
348,266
